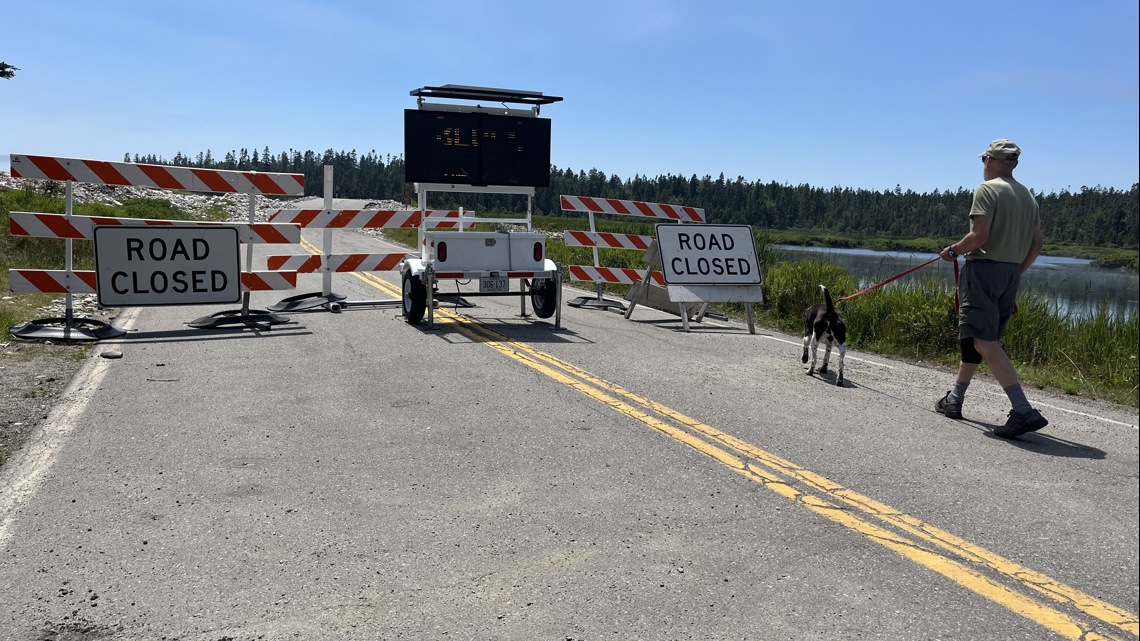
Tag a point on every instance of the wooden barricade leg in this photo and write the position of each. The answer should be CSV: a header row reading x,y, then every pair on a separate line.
x,y
637,291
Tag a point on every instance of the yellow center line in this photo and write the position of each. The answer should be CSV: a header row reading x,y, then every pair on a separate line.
x,y
772,472
310,247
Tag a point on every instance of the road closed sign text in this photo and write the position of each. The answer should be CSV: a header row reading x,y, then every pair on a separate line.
x,y
168,265
708,255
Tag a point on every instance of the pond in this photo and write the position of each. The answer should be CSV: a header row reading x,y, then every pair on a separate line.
x,y
1078,287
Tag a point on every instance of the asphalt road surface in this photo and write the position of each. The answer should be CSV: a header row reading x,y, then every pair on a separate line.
x,y
350,476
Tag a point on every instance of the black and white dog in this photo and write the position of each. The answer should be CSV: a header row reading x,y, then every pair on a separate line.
x,y
823,323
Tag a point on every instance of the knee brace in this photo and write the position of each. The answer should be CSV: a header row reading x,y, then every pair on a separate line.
x,y
969,352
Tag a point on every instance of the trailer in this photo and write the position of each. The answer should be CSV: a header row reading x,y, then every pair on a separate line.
x,y
484,150
494,259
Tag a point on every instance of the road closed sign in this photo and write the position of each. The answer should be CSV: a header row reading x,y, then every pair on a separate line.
x,y
169,265
708,255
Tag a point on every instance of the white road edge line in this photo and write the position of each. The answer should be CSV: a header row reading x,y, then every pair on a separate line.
x,y
1099,418
23,475
854,358
1052,407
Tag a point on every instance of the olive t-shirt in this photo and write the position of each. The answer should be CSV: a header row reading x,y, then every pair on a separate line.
x,y
1013,216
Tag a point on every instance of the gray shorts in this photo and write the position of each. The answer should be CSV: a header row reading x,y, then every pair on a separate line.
x,y
987,293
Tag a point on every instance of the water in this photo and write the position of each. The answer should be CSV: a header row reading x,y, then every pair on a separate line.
x,y
1077,286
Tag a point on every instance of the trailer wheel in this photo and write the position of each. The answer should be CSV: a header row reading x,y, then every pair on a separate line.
x,y
415,299
543,297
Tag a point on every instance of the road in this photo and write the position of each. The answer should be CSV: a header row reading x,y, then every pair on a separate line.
x,y
349,476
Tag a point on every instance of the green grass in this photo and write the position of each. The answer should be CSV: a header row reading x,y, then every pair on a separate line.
x,y
216,213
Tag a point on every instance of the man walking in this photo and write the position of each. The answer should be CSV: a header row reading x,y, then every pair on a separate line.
x,y
1004,240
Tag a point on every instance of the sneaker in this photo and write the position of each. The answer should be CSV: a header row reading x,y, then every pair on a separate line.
x,y
1018,424
948,408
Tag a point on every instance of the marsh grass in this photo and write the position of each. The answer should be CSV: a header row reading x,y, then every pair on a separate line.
x,y
1094,355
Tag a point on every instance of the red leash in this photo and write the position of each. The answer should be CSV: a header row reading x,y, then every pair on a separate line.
x,y
914,269
898,276
956,310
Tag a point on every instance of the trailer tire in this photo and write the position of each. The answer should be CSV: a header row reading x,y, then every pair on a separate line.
x,y
415,299
543,297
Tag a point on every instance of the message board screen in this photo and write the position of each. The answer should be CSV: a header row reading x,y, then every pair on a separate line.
x,y
476,149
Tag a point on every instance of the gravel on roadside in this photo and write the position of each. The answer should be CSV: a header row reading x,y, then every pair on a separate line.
x,y
33,374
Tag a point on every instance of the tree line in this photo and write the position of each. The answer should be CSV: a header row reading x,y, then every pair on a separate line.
x,y
1094,216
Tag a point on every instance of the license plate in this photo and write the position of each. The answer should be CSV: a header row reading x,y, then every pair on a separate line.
x,y
493,284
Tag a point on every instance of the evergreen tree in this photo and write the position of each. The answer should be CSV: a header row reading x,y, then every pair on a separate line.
x,y
1094,216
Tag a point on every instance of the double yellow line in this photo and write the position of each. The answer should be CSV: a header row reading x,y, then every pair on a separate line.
x,y
1017,588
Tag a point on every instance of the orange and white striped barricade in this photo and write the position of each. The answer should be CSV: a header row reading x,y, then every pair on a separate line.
x,y
83,227
22,223
616,275
62,281
101,172
599,276
328,263
70,227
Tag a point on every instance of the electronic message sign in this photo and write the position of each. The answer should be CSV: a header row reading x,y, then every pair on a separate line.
x,y
476,148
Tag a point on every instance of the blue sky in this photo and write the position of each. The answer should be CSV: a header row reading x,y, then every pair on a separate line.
x,y
853,93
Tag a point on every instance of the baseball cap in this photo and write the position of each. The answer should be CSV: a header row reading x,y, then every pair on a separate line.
x,y
1002,150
